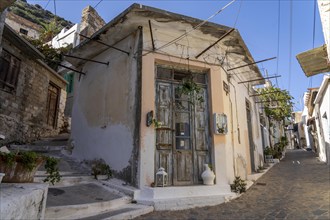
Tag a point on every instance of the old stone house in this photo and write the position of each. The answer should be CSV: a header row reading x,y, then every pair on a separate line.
x,y
129,108
32,95
23,26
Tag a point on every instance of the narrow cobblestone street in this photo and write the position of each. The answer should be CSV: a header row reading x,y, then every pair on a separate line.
x,y
296,188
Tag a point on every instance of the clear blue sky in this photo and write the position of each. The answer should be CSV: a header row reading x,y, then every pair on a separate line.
x,y
257,22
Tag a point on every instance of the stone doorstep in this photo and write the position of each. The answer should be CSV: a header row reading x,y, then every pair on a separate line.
x,y
120,185
185,197
174,192
127,211
186,203
84,210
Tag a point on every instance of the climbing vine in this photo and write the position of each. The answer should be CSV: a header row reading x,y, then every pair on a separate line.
x,y
277,103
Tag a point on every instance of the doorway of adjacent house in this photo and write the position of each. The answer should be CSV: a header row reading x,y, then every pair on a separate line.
x,y
182,141
249,123
52,104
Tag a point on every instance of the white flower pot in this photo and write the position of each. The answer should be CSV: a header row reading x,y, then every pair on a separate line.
x,y
208,175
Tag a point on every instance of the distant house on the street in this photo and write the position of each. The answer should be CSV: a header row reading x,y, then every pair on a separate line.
x,y
308,119
150,94
32,95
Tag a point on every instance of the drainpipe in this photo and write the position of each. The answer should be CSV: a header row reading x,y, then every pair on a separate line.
x,y
232,122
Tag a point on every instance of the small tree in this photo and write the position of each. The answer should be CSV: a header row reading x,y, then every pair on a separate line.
x,y
53,56
49,31
277,104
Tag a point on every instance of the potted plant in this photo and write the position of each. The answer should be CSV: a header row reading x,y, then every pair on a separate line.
x,y
238,185
101,170
20,167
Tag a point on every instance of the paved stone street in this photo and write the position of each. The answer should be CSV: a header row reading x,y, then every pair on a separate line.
x,y
296,188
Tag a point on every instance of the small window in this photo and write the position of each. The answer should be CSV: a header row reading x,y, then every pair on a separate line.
x,y
69,77
163,73
23,31
9,69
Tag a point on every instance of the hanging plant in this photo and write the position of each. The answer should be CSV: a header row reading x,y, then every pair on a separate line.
x,y
191,89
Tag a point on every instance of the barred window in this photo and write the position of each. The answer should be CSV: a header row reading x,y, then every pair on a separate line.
x,y
9,69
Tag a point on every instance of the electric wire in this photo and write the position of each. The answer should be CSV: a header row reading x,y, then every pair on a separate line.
x,y
55,9
314,23
290,44
97,4
314,20
192,29
278,38
238,13
46,4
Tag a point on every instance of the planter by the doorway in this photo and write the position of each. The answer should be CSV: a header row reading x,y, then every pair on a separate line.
x,y
101,170
20,167
208,175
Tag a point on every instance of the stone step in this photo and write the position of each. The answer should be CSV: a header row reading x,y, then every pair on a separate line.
x,y
120,185
81,201
127,211
67,180
37,148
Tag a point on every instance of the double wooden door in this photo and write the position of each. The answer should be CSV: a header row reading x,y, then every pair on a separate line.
x,y
182,141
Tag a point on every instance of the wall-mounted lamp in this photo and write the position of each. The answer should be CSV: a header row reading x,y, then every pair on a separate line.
x,y
150,117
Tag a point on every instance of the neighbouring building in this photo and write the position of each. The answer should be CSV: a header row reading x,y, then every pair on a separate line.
x,y
23,26
130,108
308,119
32,95
90,23
312,62
321,114
317,60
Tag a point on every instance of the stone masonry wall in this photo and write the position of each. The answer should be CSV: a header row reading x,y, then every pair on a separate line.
x,y
90,21
23,113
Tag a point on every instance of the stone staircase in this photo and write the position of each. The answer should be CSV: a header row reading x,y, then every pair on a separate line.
x,y
78,195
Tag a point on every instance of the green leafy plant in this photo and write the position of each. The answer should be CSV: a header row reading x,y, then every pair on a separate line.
x,y
99,167
190,88
238,185
53,56
156,123
29,160
277,103
260,169
52,170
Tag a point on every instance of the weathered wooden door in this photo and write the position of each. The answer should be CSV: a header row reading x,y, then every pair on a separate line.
x,y
52,105
182,142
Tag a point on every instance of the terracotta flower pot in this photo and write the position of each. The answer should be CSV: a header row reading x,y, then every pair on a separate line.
x,y
17,172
